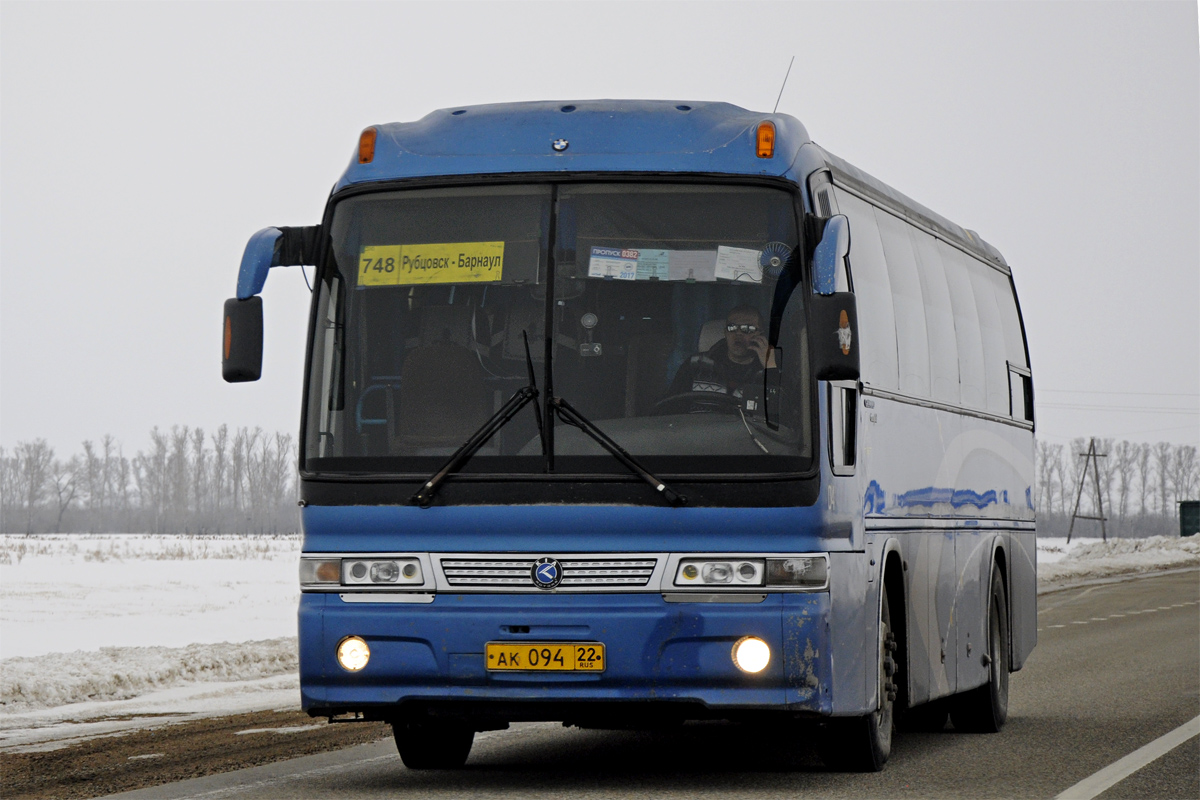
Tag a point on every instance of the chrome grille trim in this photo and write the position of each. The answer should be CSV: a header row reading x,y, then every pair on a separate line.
x,y
582,572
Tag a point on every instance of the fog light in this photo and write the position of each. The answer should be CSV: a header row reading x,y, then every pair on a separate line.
x,y
751,654
353,653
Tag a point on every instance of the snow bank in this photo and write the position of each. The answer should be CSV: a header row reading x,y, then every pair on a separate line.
x,y
1085,559
121,673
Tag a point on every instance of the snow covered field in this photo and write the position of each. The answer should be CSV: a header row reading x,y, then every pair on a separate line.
x,y
105,632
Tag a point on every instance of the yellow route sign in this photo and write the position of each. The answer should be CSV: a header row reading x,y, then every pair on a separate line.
x,y
414,264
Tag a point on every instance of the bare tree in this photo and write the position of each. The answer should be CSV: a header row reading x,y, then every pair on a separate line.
x,y
1047,457
34,460
1145,483
1123,460
1184,472
64,476
1162,469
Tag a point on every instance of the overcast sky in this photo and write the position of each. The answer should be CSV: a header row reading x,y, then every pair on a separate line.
x,y
142,144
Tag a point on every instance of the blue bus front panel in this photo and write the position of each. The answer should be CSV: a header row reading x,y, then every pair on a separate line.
x,y
654,650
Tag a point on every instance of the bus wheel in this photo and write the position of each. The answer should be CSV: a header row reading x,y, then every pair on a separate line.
x,y
863,744
433,746
984,709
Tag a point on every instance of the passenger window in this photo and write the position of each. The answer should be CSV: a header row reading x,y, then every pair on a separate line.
x,y
873,293
843,424
971,380
912,342
992,335
1010,320
1020,391
939,319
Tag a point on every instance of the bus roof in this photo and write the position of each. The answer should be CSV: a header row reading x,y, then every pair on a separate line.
x,y
601,136
652,136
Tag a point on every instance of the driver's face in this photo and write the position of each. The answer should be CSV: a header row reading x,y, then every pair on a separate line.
x,y
738,342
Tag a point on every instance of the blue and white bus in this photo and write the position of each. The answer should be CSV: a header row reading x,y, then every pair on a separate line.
x,y
625,413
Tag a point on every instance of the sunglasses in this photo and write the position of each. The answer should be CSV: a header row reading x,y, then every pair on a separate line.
x,y
744,328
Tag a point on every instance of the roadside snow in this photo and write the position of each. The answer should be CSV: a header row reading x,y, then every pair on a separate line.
x,y
103,633
1084,559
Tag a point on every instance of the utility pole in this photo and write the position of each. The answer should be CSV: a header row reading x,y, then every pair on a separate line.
x,y
1092,457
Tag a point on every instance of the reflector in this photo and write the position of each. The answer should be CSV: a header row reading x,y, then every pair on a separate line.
x,y
766,139
366,146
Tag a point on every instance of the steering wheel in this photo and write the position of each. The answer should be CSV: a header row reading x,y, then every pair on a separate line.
x,y
698,403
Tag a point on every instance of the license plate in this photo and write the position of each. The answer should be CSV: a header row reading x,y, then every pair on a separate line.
x,y
545,656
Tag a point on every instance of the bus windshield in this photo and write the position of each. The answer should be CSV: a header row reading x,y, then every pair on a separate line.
x,y
665,313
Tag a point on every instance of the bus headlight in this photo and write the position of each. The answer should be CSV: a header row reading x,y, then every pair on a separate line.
x,y
353,653
395,571
751,654
715,572
805,572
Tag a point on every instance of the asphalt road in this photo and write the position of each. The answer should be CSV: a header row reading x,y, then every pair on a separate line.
x,y
1116,667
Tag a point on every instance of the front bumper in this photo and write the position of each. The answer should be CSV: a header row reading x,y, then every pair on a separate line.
x,y
679,653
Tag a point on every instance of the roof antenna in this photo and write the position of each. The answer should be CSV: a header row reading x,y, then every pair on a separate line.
x,y
785,77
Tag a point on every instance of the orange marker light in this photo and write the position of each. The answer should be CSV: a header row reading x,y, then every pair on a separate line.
x,y
228,337
766,139
366,146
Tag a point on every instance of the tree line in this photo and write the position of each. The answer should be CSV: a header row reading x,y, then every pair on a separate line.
x,y
186,481
1139,484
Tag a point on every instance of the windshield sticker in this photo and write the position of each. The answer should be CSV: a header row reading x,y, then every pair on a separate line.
x,y
738,264
414,264
652,265
613,262
692,265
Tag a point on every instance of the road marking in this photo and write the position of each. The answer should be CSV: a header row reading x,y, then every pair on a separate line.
x,y
1058,626
1117,615
1100,782
1099,619
1077,622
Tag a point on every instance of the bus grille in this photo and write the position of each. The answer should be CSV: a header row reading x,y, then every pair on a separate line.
x,y
590,572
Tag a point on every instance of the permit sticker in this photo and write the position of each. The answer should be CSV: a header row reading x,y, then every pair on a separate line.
x,y
738,264
692,265
652,265
613,262
415,264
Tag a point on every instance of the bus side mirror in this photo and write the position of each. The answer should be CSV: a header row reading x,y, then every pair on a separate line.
x,y
829,257
833,331
242,354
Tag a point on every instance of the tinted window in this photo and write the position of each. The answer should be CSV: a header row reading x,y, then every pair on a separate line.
x,y
912,341
971,377
939,319
873,292
992,335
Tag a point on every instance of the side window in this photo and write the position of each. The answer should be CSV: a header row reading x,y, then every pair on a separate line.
x,y
873,293
1020,392
1010,320
939,319
843,424
912,342
972,383
992,335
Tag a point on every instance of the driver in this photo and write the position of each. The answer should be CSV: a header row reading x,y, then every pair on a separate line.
x,y
734,365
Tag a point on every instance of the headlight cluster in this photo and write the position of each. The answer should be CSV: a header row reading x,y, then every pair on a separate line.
x,y
798,572
361,572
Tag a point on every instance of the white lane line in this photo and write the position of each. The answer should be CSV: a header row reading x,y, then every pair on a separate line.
x,y
1099,619
1116,615
1102,781
1058,626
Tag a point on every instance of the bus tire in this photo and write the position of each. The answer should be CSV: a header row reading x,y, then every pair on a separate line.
x,y
433,746
985,708
863,744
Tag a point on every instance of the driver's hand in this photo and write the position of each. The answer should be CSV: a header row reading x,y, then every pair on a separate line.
x,y
765,353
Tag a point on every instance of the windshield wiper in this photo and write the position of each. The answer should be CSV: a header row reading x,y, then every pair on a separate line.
x,y
521,398
567,413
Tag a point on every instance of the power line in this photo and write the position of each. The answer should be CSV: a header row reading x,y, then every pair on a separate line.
x,y
1106,391
1135,409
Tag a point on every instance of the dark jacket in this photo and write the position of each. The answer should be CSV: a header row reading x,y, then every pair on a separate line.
x,y
714,372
